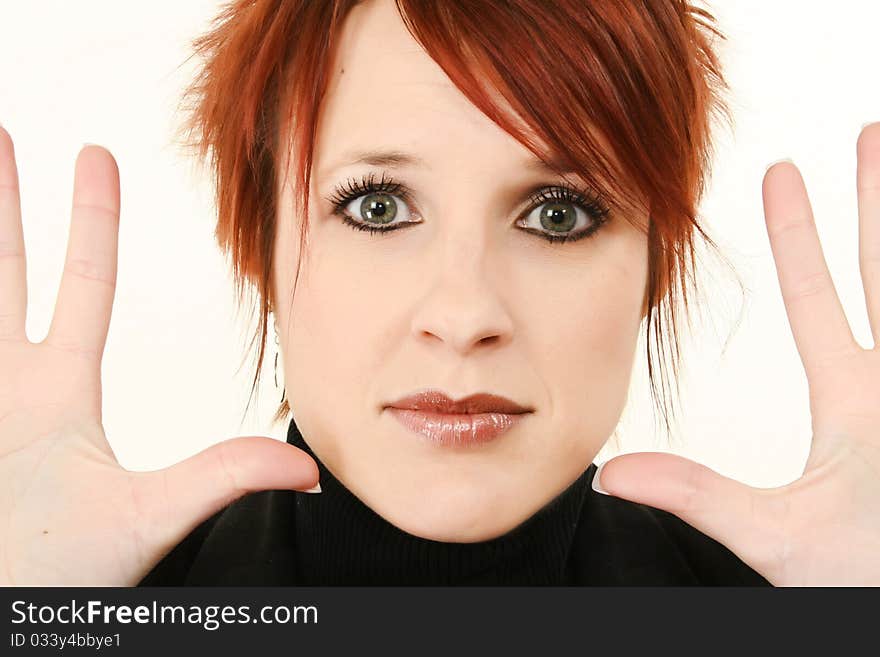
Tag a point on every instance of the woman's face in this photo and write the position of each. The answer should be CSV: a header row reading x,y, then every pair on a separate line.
x,y
465,300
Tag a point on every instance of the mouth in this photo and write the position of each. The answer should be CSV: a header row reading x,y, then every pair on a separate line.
x,y
473,420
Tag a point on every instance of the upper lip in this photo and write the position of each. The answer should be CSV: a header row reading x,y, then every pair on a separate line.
x,y
439,402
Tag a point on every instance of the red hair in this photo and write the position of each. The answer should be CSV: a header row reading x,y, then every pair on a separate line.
x,y
623,93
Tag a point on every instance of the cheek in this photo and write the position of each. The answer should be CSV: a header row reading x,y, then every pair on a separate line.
x,y
583,336
593,360
340,312
575,320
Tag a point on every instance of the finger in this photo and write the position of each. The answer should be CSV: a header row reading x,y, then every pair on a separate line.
x,y
868,186
817,320
88,283
198,487
13,268
734,514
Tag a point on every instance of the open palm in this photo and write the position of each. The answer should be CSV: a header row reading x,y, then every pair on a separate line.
x,y
824,528
69,513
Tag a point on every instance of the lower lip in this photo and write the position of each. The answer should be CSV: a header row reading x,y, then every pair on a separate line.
x,y
456,429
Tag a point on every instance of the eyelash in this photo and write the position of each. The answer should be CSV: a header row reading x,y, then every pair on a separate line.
x,y
587,200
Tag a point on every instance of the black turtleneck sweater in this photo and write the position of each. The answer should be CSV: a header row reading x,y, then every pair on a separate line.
x,y
332,538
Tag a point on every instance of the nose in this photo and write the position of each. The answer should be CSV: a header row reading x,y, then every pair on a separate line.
x,y
461,307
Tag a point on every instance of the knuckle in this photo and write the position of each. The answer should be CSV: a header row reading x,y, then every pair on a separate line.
x,y
692,497
810,286
92,209
226,467
828,361
10,250
72,347
140,518
869,257
771,509
868,187
10,328
789,226
90,270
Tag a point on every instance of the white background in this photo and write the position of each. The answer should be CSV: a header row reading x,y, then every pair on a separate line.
x,y
804,81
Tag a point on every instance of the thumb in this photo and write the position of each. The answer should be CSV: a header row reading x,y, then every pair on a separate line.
x,y
731,512
194,489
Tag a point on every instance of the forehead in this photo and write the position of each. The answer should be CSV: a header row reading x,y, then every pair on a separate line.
x,y
386,93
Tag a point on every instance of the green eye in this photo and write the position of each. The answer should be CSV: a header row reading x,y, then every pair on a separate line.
x,y
564,214
378,208
558,217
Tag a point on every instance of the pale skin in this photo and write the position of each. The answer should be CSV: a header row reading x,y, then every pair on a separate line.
x,y
71,514
460,297
823,528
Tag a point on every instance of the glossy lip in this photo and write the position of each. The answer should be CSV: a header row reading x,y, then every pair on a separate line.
x,y
472,420
439,402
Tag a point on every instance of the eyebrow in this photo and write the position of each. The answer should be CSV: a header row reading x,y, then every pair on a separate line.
x,y
392,159
395,159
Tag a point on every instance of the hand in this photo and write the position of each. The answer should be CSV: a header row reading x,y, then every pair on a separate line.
x,y
69,513
824,528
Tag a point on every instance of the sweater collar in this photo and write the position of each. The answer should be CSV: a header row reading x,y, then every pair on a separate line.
x,y
340,540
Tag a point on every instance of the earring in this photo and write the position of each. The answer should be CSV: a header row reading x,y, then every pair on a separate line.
x,y
277,352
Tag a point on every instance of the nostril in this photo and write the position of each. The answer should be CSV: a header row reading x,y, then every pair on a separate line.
x,y
430,334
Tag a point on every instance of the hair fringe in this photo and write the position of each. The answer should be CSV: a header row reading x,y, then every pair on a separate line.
x,y
645,73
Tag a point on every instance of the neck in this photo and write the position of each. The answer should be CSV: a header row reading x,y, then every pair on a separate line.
x,y
343,541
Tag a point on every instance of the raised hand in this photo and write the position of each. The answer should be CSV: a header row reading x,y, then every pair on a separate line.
x,y
824,528
69,513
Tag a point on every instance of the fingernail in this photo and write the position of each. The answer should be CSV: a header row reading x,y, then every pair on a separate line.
x,y
315,489
785,159
597,486
864,125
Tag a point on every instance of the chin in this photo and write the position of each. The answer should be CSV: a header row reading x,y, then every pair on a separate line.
x,y
455,527
456,515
